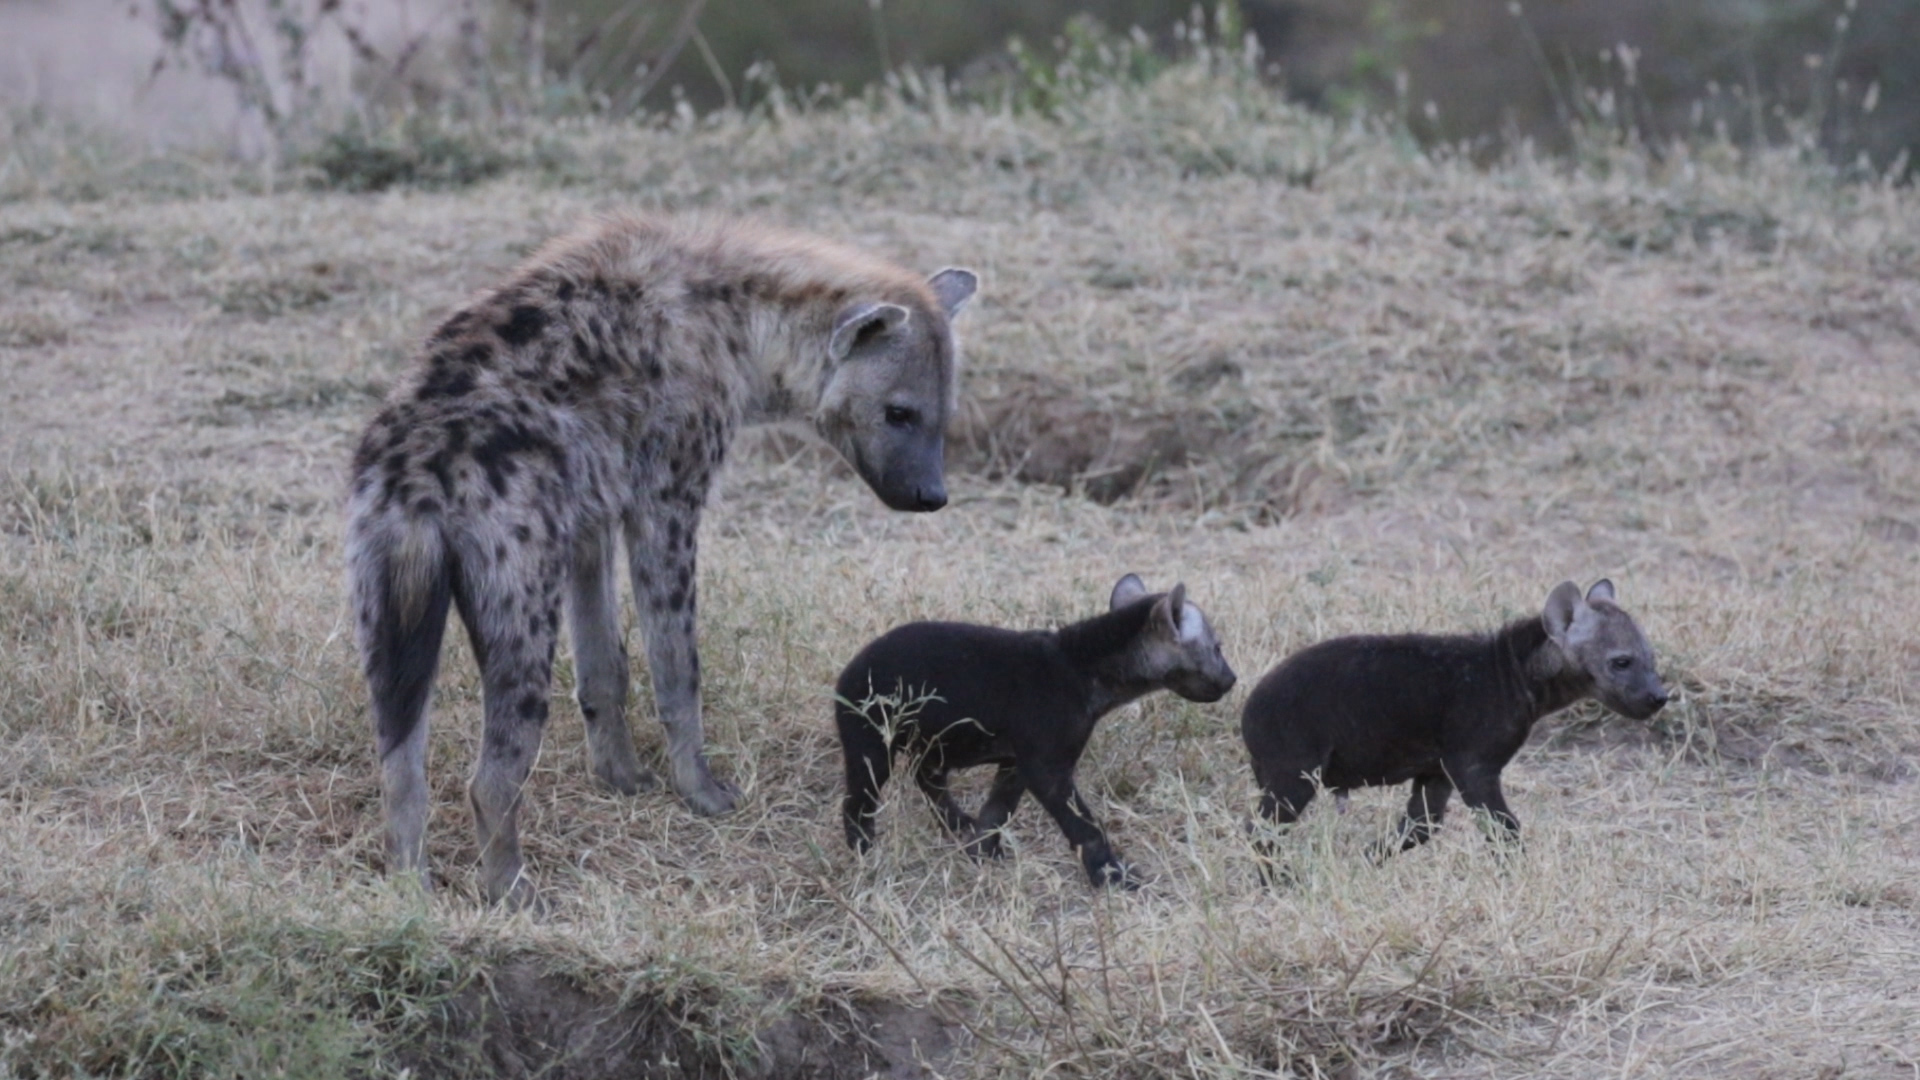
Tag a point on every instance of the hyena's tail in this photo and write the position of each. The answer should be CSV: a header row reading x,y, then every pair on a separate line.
x,y
402,574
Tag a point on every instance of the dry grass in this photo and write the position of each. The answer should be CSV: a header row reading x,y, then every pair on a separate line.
x,y
1346,387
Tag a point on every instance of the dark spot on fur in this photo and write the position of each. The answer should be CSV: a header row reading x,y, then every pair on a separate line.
x,y
497,451
677,600
522,533
478,355
565,292
673,533
500,552
446,379
711,292
441,465
524,323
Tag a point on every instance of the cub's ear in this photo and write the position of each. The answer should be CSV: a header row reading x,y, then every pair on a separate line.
x,y
953,287
858,324
1129,589
1602,590
1175,607
1563,603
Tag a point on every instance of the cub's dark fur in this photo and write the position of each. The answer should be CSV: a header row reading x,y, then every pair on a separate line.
x,y
955,695
1442,712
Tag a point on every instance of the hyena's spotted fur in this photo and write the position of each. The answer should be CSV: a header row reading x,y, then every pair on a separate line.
x,y
590,400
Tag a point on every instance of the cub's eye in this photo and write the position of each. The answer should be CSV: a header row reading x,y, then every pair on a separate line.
x,y
1621,663
900,416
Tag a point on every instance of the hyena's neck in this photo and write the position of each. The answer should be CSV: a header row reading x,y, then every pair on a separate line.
x,y
761,302
1547,679
1104,650
786,365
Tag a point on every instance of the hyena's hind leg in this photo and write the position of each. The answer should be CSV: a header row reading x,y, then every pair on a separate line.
x,y
512,612
401,584
600,662
660,545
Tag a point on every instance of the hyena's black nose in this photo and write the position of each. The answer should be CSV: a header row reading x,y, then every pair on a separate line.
x,y
1660,701
929,499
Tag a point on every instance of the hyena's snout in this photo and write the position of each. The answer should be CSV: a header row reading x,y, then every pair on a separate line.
x,y
914,478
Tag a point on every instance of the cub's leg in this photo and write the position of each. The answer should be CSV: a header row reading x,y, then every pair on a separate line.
x,y
1426,807
932,778
1055,792
1285,794
1002,798
1480,790
869,763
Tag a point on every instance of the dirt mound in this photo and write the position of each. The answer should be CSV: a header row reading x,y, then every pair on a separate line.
x,y
1193,452
521,1022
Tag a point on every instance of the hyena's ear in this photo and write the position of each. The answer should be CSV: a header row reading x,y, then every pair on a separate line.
x,y
1602,590
1129,589
1563,604
858,324
953,287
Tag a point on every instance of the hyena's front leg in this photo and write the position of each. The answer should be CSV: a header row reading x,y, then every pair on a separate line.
x,y
660,541
600,663
513,628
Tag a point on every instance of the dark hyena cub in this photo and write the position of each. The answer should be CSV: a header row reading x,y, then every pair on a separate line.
x,y
577,414
955,695
1442,712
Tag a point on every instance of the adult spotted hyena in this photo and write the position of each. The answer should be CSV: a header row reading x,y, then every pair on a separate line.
x,y
588,400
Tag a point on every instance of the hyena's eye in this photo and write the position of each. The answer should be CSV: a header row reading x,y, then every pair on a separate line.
x,y
901,416
1621,663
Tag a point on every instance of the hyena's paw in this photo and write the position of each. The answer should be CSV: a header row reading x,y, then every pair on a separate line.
x,y
707,796
627,779
516,894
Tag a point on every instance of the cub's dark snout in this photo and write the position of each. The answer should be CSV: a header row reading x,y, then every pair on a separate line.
x,y
1650,703
1204,688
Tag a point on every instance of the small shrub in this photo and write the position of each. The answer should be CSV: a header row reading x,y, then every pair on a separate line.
x,y
424,154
